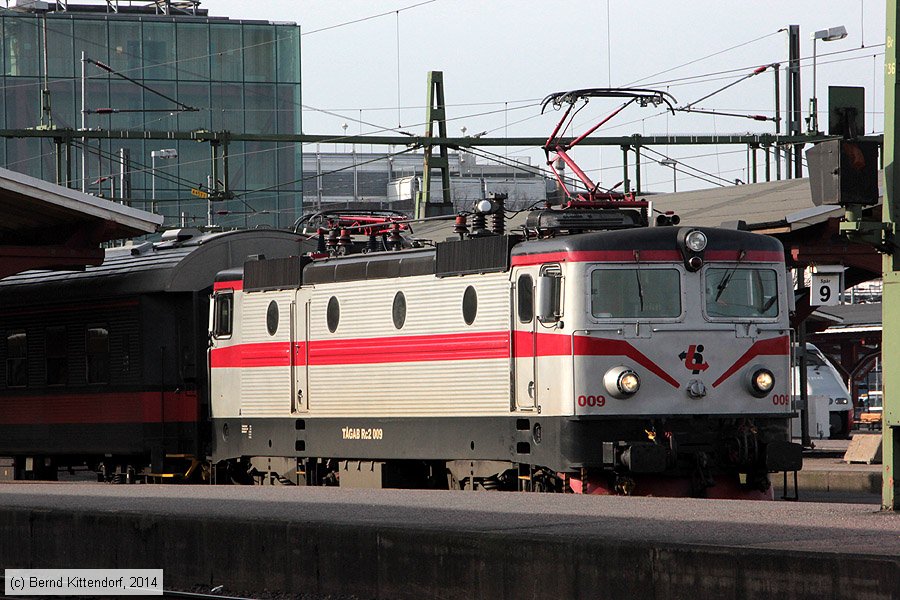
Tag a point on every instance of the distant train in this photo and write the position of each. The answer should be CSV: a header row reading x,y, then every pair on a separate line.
x,y
830,413
585,353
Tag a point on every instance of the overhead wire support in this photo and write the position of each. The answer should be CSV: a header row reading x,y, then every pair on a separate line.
x,y
690,106
727,114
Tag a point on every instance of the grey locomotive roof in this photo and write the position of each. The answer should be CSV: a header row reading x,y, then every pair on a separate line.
x,y
647,238
179,266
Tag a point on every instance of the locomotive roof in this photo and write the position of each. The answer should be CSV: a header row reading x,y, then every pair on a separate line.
x,y
648,238
182,263
489,254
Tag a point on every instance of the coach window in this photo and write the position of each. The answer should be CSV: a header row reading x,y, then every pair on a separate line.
x,y
97,350
333,314
469,305
222,315
525,295
16,359
56,351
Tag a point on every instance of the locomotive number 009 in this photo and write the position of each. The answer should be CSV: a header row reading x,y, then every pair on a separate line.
x,y
591,401
781,399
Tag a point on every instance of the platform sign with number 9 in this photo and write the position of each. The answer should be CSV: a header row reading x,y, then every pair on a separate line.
x,y
826,285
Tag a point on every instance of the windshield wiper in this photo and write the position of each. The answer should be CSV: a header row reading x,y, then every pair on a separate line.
x,y
720,289
637,272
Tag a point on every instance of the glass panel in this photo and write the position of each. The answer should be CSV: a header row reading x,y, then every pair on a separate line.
x,y
165,112
62,104
259,53
159,51
3,52
288,108
259,105
124,48
16,359
56,350
525,290
226,61
97,346
260,158
23,93
138,166
4,81
193,168
193,51
222,318
738,292
124,95
635,293
197,96
289,174
237,167
24,156
90,37
60,48
288,53
226,107
22,46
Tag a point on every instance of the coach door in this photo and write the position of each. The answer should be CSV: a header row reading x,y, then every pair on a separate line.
x,y
524,340
299,354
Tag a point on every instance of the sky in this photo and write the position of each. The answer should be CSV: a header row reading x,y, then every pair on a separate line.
x,y
365,63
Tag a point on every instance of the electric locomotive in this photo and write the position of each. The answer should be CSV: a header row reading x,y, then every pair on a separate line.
x,y
586,353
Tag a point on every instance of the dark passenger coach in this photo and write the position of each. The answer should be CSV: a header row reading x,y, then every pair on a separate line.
x,y
106,367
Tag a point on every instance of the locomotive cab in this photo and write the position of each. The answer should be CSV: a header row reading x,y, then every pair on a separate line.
x,y
679,354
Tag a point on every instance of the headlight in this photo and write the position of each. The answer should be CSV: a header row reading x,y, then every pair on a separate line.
x,y
762,381
695,241
841,401
629,382
621,382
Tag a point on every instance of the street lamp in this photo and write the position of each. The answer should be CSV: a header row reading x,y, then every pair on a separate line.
x,y
164,153
826,35
671,162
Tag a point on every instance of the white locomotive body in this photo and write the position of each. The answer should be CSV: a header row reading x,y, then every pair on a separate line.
x,y
634,360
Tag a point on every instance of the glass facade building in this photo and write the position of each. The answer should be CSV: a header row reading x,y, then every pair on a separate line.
x,y
243,76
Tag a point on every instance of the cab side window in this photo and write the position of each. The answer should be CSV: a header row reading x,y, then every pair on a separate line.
x,y
223,315
525,298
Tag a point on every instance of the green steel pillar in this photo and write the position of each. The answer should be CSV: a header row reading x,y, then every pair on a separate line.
x,y
435,111
890,345
637,171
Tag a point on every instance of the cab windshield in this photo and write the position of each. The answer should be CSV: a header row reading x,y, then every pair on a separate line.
x,y
635,293
741,293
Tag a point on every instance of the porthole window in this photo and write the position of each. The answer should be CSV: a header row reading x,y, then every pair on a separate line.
x,y
469,305
333,314
272,318
398,311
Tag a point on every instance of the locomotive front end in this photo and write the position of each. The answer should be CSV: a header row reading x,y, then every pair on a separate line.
x,y
680,362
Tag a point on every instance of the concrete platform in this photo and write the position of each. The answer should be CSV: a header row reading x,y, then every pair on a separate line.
x,y
416,544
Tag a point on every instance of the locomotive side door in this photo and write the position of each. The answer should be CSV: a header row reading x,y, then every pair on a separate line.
x,y
524,340
299,353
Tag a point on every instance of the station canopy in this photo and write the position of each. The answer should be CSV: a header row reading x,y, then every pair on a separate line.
x,y
46,226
